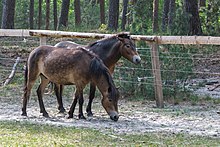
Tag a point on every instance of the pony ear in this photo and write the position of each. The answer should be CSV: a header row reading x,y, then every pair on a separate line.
x,y
123,35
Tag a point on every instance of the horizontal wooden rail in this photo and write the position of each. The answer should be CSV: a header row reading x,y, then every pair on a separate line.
x,y
62,34
14,32
192,40
209,40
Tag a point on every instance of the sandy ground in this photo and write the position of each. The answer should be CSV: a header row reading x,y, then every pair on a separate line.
x,y
135,117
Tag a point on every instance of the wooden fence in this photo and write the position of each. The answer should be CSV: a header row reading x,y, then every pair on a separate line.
x,y
153,41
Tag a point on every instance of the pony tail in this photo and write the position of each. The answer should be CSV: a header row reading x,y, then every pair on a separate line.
x,y
25,76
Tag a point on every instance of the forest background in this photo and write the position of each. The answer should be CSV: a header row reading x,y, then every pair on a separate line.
x,y
164,17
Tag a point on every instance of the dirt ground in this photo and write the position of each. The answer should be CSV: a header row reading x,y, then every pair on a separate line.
x,y
135,117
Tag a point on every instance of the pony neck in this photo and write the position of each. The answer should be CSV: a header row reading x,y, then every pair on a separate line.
x,y
108,50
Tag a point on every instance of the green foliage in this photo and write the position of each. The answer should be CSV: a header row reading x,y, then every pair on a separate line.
x,y
210,17
180,25
140,15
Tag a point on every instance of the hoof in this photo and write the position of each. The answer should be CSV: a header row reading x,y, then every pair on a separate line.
x,y
81,116
62,110
89,114
46,115
70,116
24,114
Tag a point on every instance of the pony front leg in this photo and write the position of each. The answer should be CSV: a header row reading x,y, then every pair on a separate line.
x,y
58,91
78,96
91,97
81,101
72,108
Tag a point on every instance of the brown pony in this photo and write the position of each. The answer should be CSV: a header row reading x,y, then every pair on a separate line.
x,y
67,67
109,50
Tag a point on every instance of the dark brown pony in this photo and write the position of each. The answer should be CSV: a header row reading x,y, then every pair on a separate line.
x,y
109,50
67,67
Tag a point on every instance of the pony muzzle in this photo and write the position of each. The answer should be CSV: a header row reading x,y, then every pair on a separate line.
x,y
136,59
114,115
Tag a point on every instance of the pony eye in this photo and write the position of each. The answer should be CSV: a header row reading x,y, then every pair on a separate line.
x,y
128,46
109,89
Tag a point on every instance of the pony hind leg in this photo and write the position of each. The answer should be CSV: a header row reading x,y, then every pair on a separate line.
x,y
27,91
91,97
40,91
59,91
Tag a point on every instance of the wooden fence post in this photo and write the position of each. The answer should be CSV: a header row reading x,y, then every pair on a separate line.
x,y
157,75
43,40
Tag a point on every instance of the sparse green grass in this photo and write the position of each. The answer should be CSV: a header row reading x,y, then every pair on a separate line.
x,y
26,134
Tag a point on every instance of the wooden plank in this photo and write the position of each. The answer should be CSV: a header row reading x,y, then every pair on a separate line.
x,y
192,40
157,75
14,32
62,34
43,40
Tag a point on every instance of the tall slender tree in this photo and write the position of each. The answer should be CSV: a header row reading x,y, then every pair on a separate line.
x,y
31,14
102,11
171,14
191,9
124,14
47,14
77,12
165,15
63,19
155,16
8,13
55,14
39,13
113,14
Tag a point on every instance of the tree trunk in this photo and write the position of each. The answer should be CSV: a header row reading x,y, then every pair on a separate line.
x,y
202,3
47,14
171,14
55,14
31,14
8,13
165,15
77,12
102,11
39,14
155,16
113,14
124,14
191,8
63,20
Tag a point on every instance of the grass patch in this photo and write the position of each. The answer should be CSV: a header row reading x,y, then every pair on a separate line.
x,y
26,134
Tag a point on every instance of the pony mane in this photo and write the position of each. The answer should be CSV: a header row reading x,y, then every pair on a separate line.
x,y
97,69
105,42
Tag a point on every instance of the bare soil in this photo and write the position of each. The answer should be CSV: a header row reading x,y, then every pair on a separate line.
x,y
135,117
